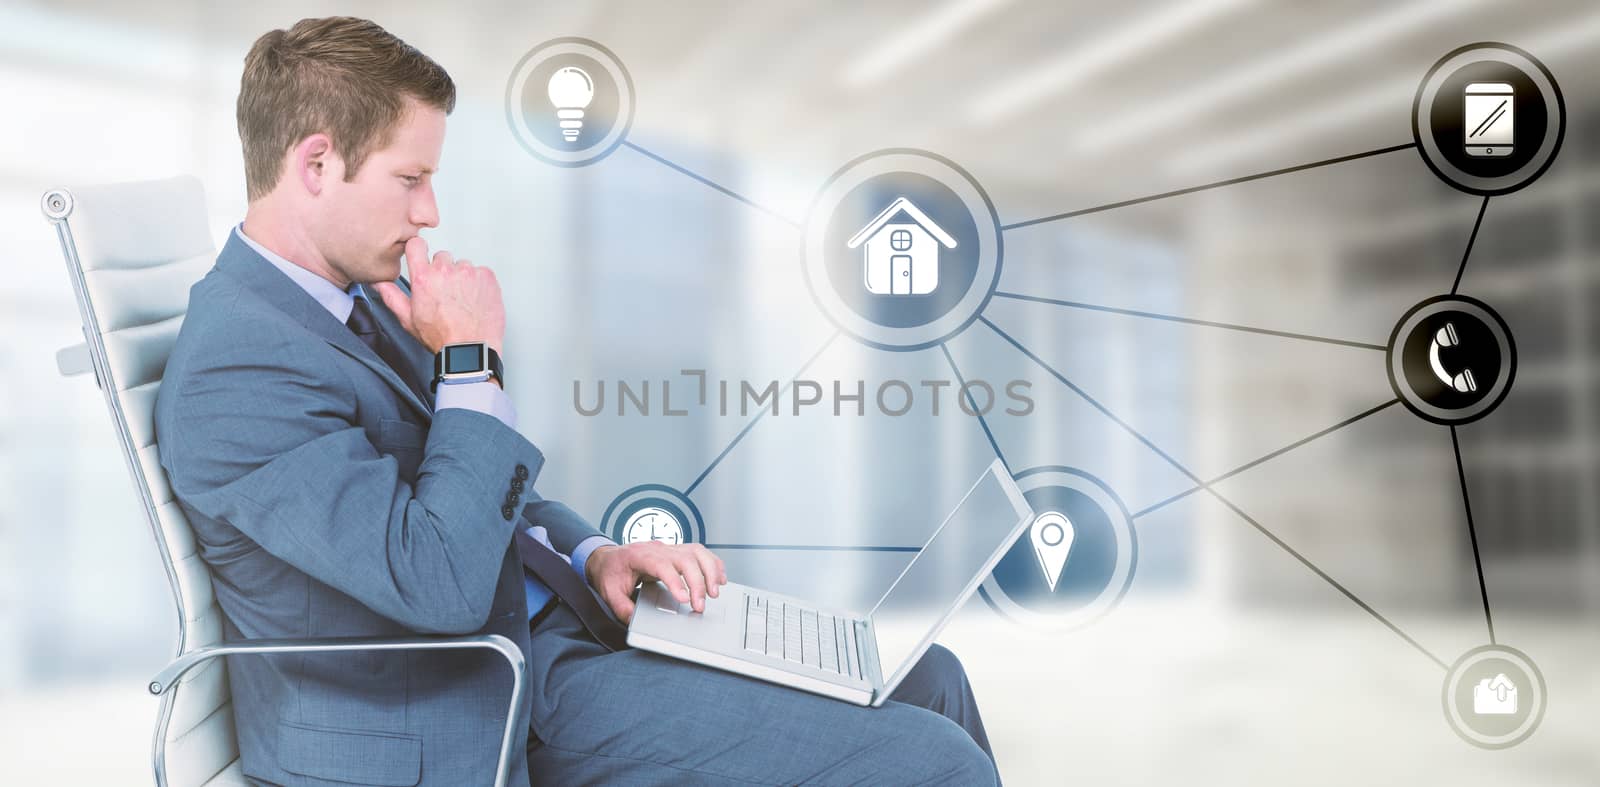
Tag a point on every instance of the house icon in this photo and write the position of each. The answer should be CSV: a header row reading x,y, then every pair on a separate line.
x,y
902,255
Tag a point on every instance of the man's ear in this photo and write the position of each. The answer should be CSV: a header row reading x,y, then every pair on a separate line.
x,y
314,162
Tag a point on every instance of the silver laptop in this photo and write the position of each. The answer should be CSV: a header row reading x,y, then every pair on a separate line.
x,y
834,652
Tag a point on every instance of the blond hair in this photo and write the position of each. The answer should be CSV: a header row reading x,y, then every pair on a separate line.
x,y
342,76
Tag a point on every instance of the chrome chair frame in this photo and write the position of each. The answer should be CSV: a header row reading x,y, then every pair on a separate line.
x,y
57,205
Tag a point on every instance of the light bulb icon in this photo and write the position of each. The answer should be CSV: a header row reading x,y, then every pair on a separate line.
x,y
1052,537
570,91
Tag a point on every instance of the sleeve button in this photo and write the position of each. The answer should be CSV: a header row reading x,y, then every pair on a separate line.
x,y
522,471
508,512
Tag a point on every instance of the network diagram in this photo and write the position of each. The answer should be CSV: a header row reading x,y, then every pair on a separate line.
x,y
902,250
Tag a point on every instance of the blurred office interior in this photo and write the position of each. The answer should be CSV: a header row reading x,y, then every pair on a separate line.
x,y
1228,661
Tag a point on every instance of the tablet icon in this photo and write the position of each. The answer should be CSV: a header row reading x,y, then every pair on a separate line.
x,y
1488,118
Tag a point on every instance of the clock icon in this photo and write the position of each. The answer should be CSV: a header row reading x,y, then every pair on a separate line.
x,y
652,524
653,512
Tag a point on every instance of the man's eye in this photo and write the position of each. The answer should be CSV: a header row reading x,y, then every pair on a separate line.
x,y
411,180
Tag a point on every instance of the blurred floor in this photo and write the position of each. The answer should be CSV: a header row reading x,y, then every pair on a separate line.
x,y
1160,694
1172,695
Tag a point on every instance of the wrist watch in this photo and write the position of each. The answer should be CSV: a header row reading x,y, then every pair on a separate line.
x,y
470,362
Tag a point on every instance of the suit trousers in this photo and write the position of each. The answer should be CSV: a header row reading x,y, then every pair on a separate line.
x,y
639,718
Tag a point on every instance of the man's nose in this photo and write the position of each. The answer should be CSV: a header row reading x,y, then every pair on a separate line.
x,y
424,209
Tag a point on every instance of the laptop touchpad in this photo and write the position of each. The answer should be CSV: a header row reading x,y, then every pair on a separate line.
x,y
666,603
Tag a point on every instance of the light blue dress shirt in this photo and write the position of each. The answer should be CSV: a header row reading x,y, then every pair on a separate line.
x,y
484,397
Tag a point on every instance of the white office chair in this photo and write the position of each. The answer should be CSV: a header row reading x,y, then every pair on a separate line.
x,y
132,252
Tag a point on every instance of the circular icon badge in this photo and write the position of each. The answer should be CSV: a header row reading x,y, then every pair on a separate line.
x,y
653,512
1075,562
1494,697
902,249
1451,359
652,523
1488,118
569,102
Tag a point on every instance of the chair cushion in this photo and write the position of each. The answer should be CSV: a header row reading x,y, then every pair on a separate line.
x,y
139,247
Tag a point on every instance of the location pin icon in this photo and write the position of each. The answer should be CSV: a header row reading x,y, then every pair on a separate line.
x,y
1052,542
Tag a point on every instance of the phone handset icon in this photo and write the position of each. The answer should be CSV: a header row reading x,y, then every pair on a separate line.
x,y
1446,337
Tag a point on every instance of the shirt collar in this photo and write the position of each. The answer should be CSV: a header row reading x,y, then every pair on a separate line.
x,y
338,302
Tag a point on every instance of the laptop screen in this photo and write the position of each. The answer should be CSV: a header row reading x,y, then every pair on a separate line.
x,y
956,558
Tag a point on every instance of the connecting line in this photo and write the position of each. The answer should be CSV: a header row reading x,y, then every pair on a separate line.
x,y
1471,239
1218,184
764,411
1188,321
723,189
1275,454
1472,530
1214,493
962,381
809,548
1093,402
1330,580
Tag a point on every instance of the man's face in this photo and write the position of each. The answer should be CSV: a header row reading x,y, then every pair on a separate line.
x,y
363,225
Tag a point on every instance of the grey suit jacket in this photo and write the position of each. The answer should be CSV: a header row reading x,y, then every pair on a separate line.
x,y
329,500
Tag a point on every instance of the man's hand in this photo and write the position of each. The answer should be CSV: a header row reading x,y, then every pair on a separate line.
x,y
452,301
690,572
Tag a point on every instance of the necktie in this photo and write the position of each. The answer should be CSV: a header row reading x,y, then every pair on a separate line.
x,y
557,574
364,324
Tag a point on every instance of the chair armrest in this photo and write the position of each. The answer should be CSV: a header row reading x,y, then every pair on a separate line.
x,y
178,667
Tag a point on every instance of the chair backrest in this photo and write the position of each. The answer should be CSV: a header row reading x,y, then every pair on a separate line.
x,y
132,251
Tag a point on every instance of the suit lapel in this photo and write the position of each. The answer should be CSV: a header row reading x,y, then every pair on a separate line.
x,y
267,282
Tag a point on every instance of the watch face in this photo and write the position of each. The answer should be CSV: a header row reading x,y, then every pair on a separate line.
x,y
460,358
652,524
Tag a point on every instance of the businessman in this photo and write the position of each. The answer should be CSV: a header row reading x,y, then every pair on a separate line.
x,y
346,477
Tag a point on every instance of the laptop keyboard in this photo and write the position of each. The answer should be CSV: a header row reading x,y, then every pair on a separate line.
x,y
801,635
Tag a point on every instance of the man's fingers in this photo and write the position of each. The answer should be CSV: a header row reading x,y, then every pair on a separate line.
x,y
621,602
710,568
417,257
695,577
487,277
690,573
663,569
722,569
